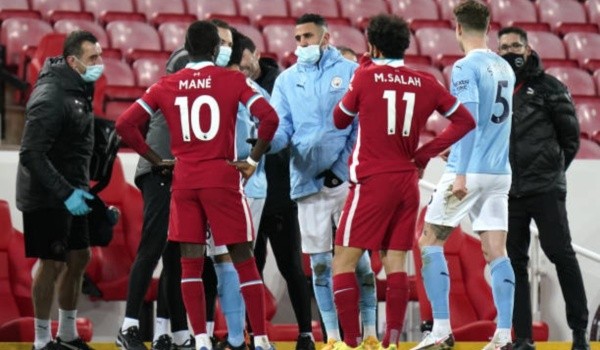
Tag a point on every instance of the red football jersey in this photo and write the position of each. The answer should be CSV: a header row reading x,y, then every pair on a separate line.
x,y
200,105
393,103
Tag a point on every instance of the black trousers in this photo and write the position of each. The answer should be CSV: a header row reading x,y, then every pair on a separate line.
x,y
548,210
283,231
156,192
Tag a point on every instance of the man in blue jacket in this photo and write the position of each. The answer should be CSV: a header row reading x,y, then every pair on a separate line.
x,y
304,97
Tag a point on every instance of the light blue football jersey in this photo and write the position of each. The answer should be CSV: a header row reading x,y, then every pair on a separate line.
x,y
484,81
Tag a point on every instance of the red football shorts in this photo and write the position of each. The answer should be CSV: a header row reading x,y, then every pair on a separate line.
x,y
381,213
224,209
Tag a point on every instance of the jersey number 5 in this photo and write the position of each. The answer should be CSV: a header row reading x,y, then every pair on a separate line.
x,y
194,117
409,97
503,101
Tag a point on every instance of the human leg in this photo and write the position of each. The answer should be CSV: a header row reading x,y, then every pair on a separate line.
x,y
232,302
346,292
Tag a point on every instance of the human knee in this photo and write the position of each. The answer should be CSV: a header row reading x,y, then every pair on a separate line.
x,y
240,252
434,235
321,268
78,260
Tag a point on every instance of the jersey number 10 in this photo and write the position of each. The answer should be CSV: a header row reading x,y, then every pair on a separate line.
x,y
194,117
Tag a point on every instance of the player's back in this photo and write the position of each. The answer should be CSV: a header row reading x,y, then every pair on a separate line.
x,y
485,78
394,103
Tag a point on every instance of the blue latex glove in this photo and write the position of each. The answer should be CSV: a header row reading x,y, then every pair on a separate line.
x,y
76,204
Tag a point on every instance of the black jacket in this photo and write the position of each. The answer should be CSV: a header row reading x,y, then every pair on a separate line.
x,y
545,132
58,138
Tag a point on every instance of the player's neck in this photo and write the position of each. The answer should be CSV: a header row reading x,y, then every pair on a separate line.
x,y
474,43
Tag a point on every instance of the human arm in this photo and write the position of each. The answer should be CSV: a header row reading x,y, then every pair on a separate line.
x,y
560,107
285,130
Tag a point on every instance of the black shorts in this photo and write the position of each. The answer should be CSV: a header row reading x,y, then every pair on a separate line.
x,y
51,233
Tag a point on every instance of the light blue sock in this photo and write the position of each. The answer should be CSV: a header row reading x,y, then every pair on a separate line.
x,y
503,289
320,265
437,280
232,302
368,296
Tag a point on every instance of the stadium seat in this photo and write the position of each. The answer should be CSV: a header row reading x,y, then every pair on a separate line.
x,y
532,26
361,10
413,47
446,7
583,47
592,8
588,114
264,21
428,69
547,45
151,9
16,318
415,9
254,9
202,8
342,35
172,35
555,12
577,80
566,28
109,10
14,5
113,109
280,38
231,20
588,150
120,88
17,8
50,45
133,38
66,26
118,73
147,71
438,43
505,11
254,34
471,302
326,8
58,9
19,33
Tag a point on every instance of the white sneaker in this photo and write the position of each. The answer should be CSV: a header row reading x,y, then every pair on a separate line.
x,y
430,342
496,344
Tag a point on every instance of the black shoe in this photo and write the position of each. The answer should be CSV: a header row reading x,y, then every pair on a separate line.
x,y
523,344
224,345
580,341
163,342
75,344
190,344
130,339
305,342
49,346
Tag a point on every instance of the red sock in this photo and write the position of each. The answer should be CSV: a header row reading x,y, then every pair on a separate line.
x,y
396,298
192,291
252,288
346,296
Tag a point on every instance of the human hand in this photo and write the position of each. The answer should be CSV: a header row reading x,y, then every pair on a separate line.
x,y
76,204
244,167
459,187
164,167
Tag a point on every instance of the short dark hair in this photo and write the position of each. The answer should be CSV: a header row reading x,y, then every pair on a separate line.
x,y
246,43
514,30
219,23
389,34
201,39
73,42
236,50
312,18
472,15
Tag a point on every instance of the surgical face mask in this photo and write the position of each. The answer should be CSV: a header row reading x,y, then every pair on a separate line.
x,y
92,73
309,54
224,56
516,61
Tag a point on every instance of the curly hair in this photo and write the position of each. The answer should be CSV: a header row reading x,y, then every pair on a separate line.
x,y
389,34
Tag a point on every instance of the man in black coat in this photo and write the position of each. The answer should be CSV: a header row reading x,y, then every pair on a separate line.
x,y
543,143
53,183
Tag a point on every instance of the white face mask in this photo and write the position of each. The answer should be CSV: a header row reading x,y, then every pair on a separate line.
x,y
92,73
224,56
309,54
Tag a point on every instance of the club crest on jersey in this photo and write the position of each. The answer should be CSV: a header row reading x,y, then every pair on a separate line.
x,y
336,82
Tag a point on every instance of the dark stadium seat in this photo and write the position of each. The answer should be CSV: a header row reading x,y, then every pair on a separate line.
x,y
280,38
547,45
588,150
172,35
326,8
583,47
577,80
255,9
202,8
360,10
147,71
505,11
254,34
16,318
415,9
66,26
343,35
588,114
555,12
438,43
134,38
19,33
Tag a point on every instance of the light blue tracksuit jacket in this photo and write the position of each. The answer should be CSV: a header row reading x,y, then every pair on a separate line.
x,y
247,127
304,97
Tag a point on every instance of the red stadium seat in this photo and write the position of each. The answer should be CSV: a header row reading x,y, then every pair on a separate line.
x,y
415,9
255,9
413,47
547,45
566,28
120,83
417,24
446,8
588,150
280,38
471,302
593,10
326,8
151,8
50,45
361,10
505,11
556,62
66,26
231,20
577,80
583,47
264,21
133,38
588,114
555,12
532,26
172,35
428,69
14,5
66,7
17,8
254,34
203,8
348,36
19,33
111,10
147,71
438,43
